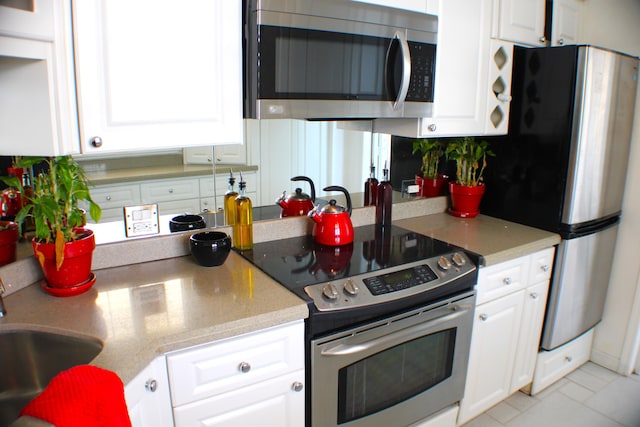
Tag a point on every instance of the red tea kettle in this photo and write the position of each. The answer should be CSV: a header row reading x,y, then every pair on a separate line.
x,y
298,203
332,223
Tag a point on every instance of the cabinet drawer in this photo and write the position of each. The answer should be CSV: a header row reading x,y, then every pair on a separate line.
x,y
502,279
116,196
209,370
541,265
163,191
555,364
179,207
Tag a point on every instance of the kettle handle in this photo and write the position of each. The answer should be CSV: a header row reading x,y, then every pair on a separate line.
x,y
346,194
313,188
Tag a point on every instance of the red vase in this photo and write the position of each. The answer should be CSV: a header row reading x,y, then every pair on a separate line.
x,y
432,187
465,200
76,267
8,241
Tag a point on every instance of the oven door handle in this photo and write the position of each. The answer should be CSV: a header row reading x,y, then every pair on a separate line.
x,y
393,339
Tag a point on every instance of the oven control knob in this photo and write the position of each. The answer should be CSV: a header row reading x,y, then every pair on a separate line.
x,y
444,263
330,292
458,259
351,288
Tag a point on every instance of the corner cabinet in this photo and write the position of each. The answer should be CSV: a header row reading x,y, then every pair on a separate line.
x,y
147,396
253,379
157,74
511,300
565,23
520,21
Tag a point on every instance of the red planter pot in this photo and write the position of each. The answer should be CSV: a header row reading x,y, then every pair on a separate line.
x,y
465,200
8,241
76,268
432,187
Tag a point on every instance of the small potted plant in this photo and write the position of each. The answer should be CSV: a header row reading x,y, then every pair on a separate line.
x,y
62,246
431,182
467,189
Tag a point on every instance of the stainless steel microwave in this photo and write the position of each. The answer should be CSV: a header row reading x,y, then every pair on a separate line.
x,y
337,59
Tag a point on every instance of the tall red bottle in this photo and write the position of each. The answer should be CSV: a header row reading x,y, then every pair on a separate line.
x,y
371,188
384,202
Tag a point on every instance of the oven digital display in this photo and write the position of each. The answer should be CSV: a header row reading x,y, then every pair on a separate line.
x,y
399,280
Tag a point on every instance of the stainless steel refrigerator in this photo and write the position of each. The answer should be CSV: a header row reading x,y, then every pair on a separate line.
x,y
562,168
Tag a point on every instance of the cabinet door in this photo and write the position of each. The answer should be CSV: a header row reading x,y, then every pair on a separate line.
x,y
153,75
27,19
277,402
535,302
147,396
491,357
522,21
566,22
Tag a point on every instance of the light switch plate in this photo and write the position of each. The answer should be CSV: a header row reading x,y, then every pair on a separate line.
x,y
141,220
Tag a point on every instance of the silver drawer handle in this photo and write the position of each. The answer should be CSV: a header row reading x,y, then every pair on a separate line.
x,y
506,280
534,295
544,268
297,386
244,367
151,385
484,317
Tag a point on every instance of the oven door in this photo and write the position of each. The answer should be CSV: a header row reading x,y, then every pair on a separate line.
x,y
393,372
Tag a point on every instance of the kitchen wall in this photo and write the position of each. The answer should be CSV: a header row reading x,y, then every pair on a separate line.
x,y
614,24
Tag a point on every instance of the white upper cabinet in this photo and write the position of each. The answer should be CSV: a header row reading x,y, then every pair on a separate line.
x,y
565,24
520,21
31,19
158,74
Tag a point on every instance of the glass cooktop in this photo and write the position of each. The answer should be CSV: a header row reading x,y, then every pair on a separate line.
x,y
298,261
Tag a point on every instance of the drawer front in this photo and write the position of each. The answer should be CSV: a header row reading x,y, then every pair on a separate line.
x,y
164,191
179,207
541,265
220,367
116,196
502,279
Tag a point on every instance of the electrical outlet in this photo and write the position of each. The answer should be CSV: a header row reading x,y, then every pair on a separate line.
x,y
141,220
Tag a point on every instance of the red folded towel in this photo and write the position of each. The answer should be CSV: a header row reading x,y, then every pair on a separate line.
x,y
82,396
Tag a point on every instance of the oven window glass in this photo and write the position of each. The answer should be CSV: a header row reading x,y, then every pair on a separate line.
x,y
394,375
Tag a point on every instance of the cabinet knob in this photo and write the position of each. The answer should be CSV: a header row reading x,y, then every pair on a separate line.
x,y
432,127
244,367
569,359
108,198
507,281
542,39
297,386
484,317
560,42
534,295
171,191
544,268
96,141
151,385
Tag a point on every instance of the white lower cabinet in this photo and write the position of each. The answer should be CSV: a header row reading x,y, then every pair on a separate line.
x,y
444,418
250,380
506,331
147,396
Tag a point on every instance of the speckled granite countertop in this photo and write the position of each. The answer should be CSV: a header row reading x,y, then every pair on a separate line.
x,y
494,239
143,310
146,309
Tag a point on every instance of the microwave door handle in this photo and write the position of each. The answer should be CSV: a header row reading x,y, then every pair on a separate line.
x,y
406,70
393,339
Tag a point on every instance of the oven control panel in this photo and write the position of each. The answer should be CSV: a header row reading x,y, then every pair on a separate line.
x,y
391,283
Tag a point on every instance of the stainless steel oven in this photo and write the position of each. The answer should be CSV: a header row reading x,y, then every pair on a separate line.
x,y
389,327
393,372
337,59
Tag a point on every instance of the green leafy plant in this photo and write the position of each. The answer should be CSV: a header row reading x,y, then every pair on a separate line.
x,y
432,151
54,205
471,159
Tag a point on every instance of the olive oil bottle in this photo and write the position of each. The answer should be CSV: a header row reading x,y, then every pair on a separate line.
x,y
243,228
230,202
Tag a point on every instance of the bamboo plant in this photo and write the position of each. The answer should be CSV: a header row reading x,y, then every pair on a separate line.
x,y
432,151
471,159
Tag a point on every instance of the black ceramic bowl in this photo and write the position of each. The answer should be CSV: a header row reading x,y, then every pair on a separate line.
x,y
186,222
210,248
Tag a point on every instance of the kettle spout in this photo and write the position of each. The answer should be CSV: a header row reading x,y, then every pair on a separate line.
x,y
315,215
282,200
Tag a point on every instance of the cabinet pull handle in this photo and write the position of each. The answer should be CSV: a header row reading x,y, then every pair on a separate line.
x,y
171,191
569,359
297,386
244,367
542,39
432,127
108,198
506,281
560,41
534,295
484,317
151,385
544,268
96,141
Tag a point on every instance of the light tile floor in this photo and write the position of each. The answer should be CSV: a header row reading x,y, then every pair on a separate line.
x,y
591,396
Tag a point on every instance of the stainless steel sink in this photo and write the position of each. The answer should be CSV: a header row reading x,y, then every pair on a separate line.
x,y
30,359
